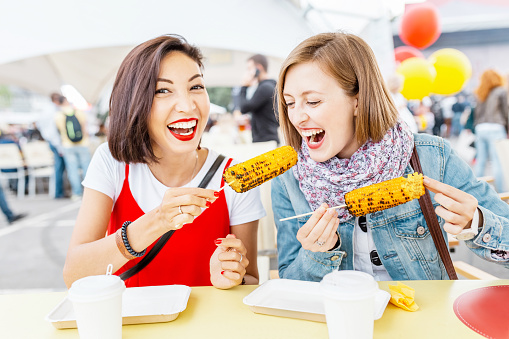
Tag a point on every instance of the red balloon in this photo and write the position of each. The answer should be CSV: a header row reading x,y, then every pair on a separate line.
x,y
420,25
402,53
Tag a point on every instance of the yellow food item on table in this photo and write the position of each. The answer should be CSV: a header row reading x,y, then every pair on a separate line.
x,y
254,172
403,297
386,194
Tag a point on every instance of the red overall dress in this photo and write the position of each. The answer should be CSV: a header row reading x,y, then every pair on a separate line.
x,y
184,259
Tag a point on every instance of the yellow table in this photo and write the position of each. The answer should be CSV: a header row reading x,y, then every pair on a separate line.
x,y
213,313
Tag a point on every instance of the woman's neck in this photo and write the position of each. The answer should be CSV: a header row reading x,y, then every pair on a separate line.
x,y
178,171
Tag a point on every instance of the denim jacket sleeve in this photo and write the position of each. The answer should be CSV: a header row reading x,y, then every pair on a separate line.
x,y
294,261
494,234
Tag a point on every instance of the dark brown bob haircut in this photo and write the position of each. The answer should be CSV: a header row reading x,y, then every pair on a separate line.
x,y
348,59
133,93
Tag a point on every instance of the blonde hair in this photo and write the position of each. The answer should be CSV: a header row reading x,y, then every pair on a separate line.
x,y
348,59
489,80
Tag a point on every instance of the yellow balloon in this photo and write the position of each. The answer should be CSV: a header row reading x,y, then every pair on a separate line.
x,y
419,75
453,71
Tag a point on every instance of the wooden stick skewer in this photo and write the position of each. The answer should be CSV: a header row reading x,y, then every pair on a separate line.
x,y
222,188
303,215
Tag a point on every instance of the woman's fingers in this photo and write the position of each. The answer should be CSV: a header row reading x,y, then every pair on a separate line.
x,y
192,191
171,201
315,224
458,195
328,237
457,208
312,221
189,209
234,276
452,229
321,227
448,203
232,243
233,258
181,205
318,233
451,217
233,266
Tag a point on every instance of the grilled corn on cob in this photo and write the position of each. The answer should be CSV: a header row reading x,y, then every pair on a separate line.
x,y
385,194
254,172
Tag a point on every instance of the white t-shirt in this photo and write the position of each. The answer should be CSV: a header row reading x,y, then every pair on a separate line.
x,y
366,257
106,175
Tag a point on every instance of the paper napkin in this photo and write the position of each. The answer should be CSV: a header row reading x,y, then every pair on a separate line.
x,y
403,296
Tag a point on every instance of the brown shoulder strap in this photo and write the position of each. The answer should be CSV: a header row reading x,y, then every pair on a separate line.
x,y
432,221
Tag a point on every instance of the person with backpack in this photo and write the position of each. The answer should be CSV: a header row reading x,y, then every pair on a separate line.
x,y
71,124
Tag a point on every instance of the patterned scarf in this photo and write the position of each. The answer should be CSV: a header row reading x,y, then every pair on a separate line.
x,y
372,163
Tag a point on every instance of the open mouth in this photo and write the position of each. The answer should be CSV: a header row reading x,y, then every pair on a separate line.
x,y
314,137
183,130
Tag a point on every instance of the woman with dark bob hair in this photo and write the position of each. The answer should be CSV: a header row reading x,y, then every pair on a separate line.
x,y
335,110
152,182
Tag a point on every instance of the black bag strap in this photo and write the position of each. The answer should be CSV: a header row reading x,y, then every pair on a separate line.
x,y
432,221
165,237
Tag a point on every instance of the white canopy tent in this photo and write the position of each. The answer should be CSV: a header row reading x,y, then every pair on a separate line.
x,y
46,44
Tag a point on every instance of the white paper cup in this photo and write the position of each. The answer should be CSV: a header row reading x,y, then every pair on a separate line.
x,y
349,301
97,303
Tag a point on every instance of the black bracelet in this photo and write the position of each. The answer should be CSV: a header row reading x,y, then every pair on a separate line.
x,y
126,241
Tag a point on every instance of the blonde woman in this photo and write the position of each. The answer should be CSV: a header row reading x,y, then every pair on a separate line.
x,y
491,122
335,110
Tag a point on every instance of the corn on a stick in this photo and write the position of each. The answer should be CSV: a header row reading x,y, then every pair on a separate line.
x,y
254,172
385,194
380,196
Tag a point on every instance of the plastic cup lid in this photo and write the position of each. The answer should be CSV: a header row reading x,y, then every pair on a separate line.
x,y
348,284
96,287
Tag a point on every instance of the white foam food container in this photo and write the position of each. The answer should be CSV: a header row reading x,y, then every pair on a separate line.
x,y
298,299
140,305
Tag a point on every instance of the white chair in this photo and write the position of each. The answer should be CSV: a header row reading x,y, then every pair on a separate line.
x,y
39,160
10,157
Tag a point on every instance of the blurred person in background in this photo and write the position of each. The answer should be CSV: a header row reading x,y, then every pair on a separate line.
x,y
448,114
264,124
8,135
491,120
152,180
9,214
50,133
436,109
75,145
424,118
458,109
395,85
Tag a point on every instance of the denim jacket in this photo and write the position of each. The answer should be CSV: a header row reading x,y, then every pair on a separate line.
x,y
406,251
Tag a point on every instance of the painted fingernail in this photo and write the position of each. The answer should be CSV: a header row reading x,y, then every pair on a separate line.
x,y
208,203
331,211
222,272
216,194
321,209
218,241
